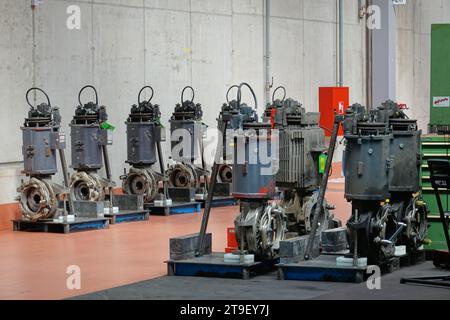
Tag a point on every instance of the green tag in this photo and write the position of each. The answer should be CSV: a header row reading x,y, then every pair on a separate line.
x,y
322,162
158,122
106,126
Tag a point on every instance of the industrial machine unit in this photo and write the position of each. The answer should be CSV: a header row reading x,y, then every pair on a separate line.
x,y
301,163
41,139
47,206
234,116
89,138
382,163
261,225
144,135
187,133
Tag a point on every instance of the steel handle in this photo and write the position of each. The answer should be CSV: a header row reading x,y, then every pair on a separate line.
x,y
84,88
36,89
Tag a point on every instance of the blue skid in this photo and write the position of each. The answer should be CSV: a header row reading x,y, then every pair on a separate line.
x,y
80,224
131,218
97,225
205,270
290,272
190,208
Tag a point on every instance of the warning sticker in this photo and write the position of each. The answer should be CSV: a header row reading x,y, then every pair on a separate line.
x,y
441,102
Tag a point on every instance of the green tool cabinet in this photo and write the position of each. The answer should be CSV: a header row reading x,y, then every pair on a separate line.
x,y
440,78
434,147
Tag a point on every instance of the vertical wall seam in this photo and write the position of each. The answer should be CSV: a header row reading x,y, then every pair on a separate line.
x,y
145,42
336,39
264,50
363,59
92,44
302,73
232,44
33,53
190,42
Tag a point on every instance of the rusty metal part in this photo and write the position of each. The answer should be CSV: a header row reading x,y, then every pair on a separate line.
x,y
38,199
86,186
300,210
263,228
183,175
225,174
141,182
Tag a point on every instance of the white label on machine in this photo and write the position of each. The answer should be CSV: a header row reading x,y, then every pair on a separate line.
x,y
441,102
395,2
110,137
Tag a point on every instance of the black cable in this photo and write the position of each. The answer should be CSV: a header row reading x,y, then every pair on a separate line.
x,y
95,92
140,92
182,93
228,92
239,95
275,91
36,89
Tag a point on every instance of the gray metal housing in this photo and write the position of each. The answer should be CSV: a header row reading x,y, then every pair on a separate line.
x,y
248,180
141,143
39,150
300,148
196,130
366,167
87,141
382,154
405,158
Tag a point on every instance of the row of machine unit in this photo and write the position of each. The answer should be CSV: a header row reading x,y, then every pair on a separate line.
x,y
42,199
381,167
281,156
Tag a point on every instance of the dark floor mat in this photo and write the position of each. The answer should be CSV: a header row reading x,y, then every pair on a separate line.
x,y
267,287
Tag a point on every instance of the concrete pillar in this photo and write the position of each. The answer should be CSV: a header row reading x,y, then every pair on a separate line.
x,y
384,55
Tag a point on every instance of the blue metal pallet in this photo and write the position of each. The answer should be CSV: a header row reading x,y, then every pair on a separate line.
x,y
323,268
78,225
175,208
299,272
213,265
221,202
127,216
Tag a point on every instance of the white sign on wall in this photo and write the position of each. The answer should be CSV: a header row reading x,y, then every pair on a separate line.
x,y
441,102
395,2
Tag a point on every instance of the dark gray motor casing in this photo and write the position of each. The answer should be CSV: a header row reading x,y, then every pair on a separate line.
x,y
39,150
404,173
87,141
196,130
366,167
300,148
141,143
248,182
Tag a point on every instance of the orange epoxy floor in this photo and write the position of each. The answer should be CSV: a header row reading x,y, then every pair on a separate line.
x,y
33,265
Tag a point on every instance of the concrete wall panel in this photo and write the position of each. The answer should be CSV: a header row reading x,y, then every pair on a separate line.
x,y
209,44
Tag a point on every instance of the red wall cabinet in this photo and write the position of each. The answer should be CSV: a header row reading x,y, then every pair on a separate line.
x,y
332,99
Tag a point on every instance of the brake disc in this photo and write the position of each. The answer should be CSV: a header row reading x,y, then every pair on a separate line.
x,y
86,187
141,182
37,200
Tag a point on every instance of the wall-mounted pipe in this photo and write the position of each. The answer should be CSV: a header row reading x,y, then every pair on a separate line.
x,y
268,83
341,43
369,74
